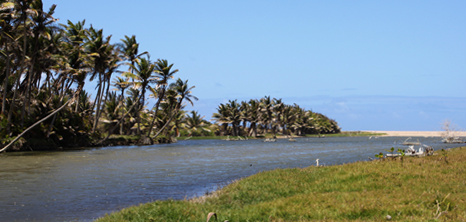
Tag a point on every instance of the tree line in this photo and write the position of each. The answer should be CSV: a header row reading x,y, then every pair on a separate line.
x,y
45,66
270,115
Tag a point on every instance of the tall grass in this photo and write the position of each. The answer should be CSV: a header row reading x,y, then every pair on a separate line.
x,y
422,189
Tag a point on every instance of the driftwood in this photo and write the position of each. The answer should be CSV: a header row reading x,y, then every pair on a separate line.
x,y
408,143
69,102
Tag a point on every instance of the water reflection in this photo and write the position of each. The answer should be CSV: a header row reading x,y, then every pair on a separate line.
x,y
85,184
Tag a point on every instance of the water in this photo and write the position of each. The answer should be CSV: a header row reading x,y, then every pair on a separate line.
x,y
86,184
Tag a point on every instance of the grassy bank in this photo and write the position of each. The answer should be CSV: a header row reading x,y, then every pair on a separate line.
x,y
417,189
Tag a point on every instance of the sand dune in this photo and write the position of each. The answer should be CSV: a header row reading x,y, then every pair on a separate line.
x,y
416,133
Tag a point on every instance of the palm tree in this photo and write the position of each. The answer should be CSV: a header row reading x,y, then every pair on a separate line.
x,y
266,109
143,76
184,92
195,123
278,109
7,42
43,21
177,93
121,85
221,118
111,111
253,116
17,13
130,49
178,122
101,52
164,72
235,116
76,59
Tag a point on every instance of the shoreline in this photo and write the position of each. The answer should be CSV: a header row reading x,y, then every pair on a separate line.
x,y
415,133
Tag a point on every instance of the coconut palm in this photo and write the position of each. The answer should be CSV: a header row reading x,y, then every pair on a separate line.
x,y
102,52
195,123
253,116
130,48
178,92
267,117
143,76
221,117
42,24
121,85
184,92
165,72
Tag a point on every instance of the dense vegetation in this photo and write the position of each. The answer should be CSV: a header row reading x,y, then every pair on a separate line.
x,y
270,115
45,66
417,189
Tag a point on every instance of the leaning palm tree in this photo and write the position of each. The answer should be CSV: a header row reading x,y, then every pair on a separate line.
x,y
184,92
177,93
165,72
121,85
143,76
111,112
76,59
101,50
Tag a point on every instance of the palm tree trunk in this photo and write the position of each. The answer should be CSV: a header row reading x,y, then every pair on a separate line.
x,y
51,126
225,128
98,97
119,122
5,84
156,110
166,124
31,72
12,106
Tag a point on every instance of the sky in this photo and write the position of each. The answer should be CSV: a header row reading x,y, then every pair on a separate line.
x,y
370,65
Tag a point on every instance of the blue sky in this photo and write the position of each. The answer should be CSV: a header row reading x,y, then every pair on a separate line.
x,y
370,65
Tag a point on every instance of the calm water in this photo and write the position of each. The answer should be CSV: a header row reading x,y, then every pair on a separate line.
x,y
85,184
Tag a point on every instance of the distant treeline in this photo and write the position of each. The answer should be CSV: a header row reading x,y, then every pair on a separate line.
x,y
270,115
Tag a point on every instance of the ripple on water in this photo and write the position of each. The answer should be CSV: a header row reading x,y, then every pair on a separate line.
x,y
86,184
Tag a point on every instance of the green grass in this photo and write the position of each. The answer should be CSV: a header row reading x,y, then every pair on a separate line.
x,y
422,189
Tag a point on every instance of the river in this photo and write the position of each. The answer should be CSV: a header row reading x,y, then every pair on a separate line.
x,y
82,185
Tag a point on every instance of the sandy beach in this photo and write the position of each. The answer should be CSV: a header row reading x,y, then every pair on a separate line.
x,y
416,133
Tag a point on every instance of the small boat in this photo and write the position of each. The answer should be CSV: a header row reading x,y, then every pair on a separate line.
x,y
422,151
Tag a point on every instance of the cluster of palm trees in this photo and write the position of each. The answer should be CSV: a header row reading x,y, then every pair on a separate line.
x,y
270,115
45,66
